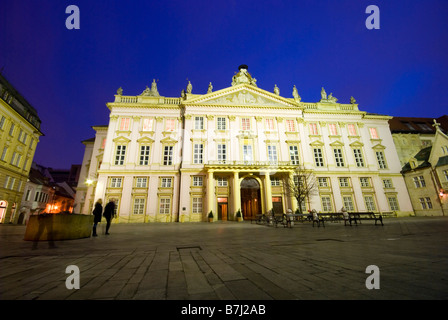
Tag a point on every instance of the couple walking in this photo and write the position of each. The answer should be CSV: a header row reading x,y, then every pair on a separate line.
x,y
109,213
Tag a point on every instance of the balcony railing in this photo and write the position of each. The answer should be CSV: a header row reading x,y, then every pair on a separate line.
x,y
251,163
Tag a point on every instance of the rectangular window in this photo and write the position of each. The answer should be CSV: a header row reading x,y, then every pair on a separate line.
x,y
381,160
197,205
348,203
166,182
199,123
269,124
147,124
318,157
326,204
393,203
139,205
247,152
275,181
373,133
344,182
387,183
426,203
115,182
13,157
370,203
5,151
170,124
222,153
141,182
358,158
313,129
144,155
272,154
221,123
168,155
119,155
245,124
294,155
124,124
365,182
290,125
323,182
222,182
198,150
419,182
2,122
165,204
28,193
197,181
338,158
333,129
445,173
352,130
11,129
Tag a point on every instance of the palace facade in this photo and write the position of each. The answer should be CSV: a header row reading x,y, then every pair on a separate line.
x,y
176,159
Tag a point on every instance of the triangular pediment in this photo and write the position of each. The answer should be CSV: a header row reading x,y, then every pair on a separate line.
x,y
242,95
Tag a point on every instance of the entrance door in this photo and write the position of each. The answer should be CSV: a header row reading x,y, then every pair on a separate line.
x,y
250,198
222,209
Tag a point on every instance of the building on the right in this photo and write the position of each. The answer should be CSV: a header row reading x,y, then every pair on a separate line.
x,y
426,175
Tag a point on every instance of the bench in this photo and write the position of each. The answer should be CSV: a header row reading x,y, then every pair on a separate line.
x,y
358,216
260,219
291,218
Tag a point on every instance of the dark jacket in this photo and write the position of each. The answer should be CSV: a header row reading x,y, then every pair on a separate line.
x,y
97,212
109,210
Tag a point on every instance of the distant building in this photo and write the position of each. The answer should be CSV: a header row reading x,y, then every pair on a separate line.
x,y
426,177
167,159
19,135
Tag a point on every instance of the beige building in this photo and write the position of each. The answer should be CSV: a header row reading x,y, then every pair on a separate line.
x,y
166,159
19,135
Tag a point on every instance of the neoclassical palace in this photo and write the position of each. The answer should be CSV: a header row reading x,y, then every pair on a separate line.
x,y
172,159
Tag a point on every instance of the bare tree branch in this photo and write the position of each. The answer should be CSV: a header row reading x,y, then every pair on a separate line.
x,y
301,185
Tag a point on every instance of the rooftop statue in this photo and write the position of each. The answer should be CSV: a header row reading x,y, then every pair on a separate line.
x,y
189,87
243,77
331,98
295,94
151,92
120,91
352,100
210,88
276,90
323,94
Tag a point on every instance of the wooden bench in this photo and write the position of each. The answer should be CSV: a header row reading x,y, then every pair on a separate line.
x,y
303,217
358,216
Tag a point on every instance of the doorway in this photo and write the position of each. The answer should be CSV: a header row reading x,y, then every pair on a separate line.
x,y
222,209
250,198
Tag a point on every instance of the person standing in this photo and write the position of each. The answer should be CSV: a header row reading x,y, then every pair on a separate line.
x,y
97,213
109,213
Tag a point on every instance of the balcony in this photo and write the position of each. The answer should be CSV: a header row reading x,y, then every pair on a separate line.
x,y
251,165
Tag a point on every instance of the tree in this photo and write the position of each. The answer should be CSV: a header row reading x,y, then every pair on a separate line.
x,y
300,185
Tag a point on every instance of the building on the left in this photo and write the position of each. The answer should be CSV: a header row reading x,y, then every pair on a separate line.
x,y
20,130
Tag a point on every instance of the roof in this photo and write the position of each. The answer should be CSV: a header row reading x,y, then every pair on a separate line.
x,y
442,161
417,125
421,156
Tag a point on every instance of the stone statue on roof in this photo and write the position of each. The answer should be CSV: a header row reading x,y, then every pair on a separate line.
x,y
295,94
243,77
189,87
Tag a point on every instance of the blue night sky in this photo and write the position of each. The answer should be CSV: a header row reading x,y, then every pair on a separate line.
x,y
69,75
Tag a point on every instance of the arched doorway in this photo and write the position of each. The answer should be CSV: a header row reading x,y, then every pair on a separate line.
x,y
3,208
250,198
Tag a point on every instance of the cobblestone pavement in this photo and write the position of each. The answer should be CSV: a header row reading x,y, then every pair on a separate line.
x,y
233,261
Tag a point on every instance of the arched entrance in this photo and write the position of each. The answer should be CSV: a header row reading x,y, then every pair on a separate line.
x,y
3,208
250,198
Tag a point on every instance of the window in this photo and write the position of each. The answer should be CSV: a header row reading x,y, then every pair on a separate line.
x,y
333,129
313,129
352,129
275,181
124,124
318,157
197,205
170,124
373,133
199,123
144,155
164,206
139,205
120,154
22,136
290,125
326,204
294,155
221,123
5,151
348,203
272,154
365,182
222,153
425,203
370,203
387,183
117,204
2,122
147,124
269,124
419,182
168,155
323,182
358,158
36,196
381,160
393,203
166,182
222,182
338,157
445,173
247,152
28,193
141,182
245,124
344,182
103,144
197,181
115,182
15,160
198,150
423,126
11,129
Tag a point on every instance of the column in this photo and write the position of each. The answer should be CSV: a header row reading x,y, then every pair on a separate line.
x,y
210,194
292,199
267,181
236,193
